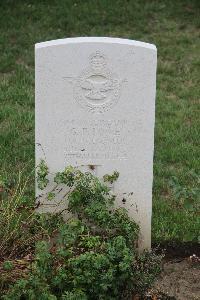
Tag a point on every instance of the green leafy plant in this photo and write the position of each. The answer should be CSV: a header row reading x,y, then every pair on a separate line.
x,y
186,197
111,178
42,175
94,254
7,265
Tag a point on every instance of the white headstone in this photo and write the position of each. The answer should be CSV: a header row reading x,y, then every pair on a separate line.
x,y
95,105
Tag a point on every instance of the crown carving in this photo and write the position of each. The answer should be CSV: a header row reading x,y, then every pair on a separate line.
x,y
97,60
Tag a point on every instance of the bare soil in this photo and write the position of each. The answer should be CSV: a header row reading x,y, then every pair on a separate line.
x,y
180,279
180,276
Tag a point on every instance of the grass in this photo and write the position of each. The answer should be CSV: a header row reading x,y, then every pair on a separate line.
x,y
174,27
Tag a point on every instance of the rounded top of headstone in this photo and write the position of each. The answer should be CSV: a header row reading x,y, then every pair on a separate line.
x,y
107,40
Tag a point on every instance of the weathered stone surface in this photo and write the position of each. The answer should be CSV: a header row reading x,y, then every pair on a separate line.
x,y
95,105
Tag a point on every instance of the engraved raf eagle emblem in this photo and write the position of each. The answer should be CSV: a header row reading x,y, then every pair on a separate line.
x,y
97,88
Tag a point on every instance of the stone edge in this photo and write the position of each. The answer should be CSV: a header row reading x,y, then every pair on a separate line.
x,y
106,40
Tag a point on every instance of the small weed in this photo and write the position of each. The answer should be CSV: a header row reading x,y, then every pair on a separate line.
x,y
7,265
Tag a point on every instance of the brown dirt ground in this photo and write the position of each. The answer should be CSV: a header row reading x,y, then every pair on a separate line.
x,y
180,279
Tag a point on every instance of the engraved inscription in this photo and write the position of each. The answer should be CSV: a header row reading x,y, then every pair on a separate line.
x,y
99,139
97,88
